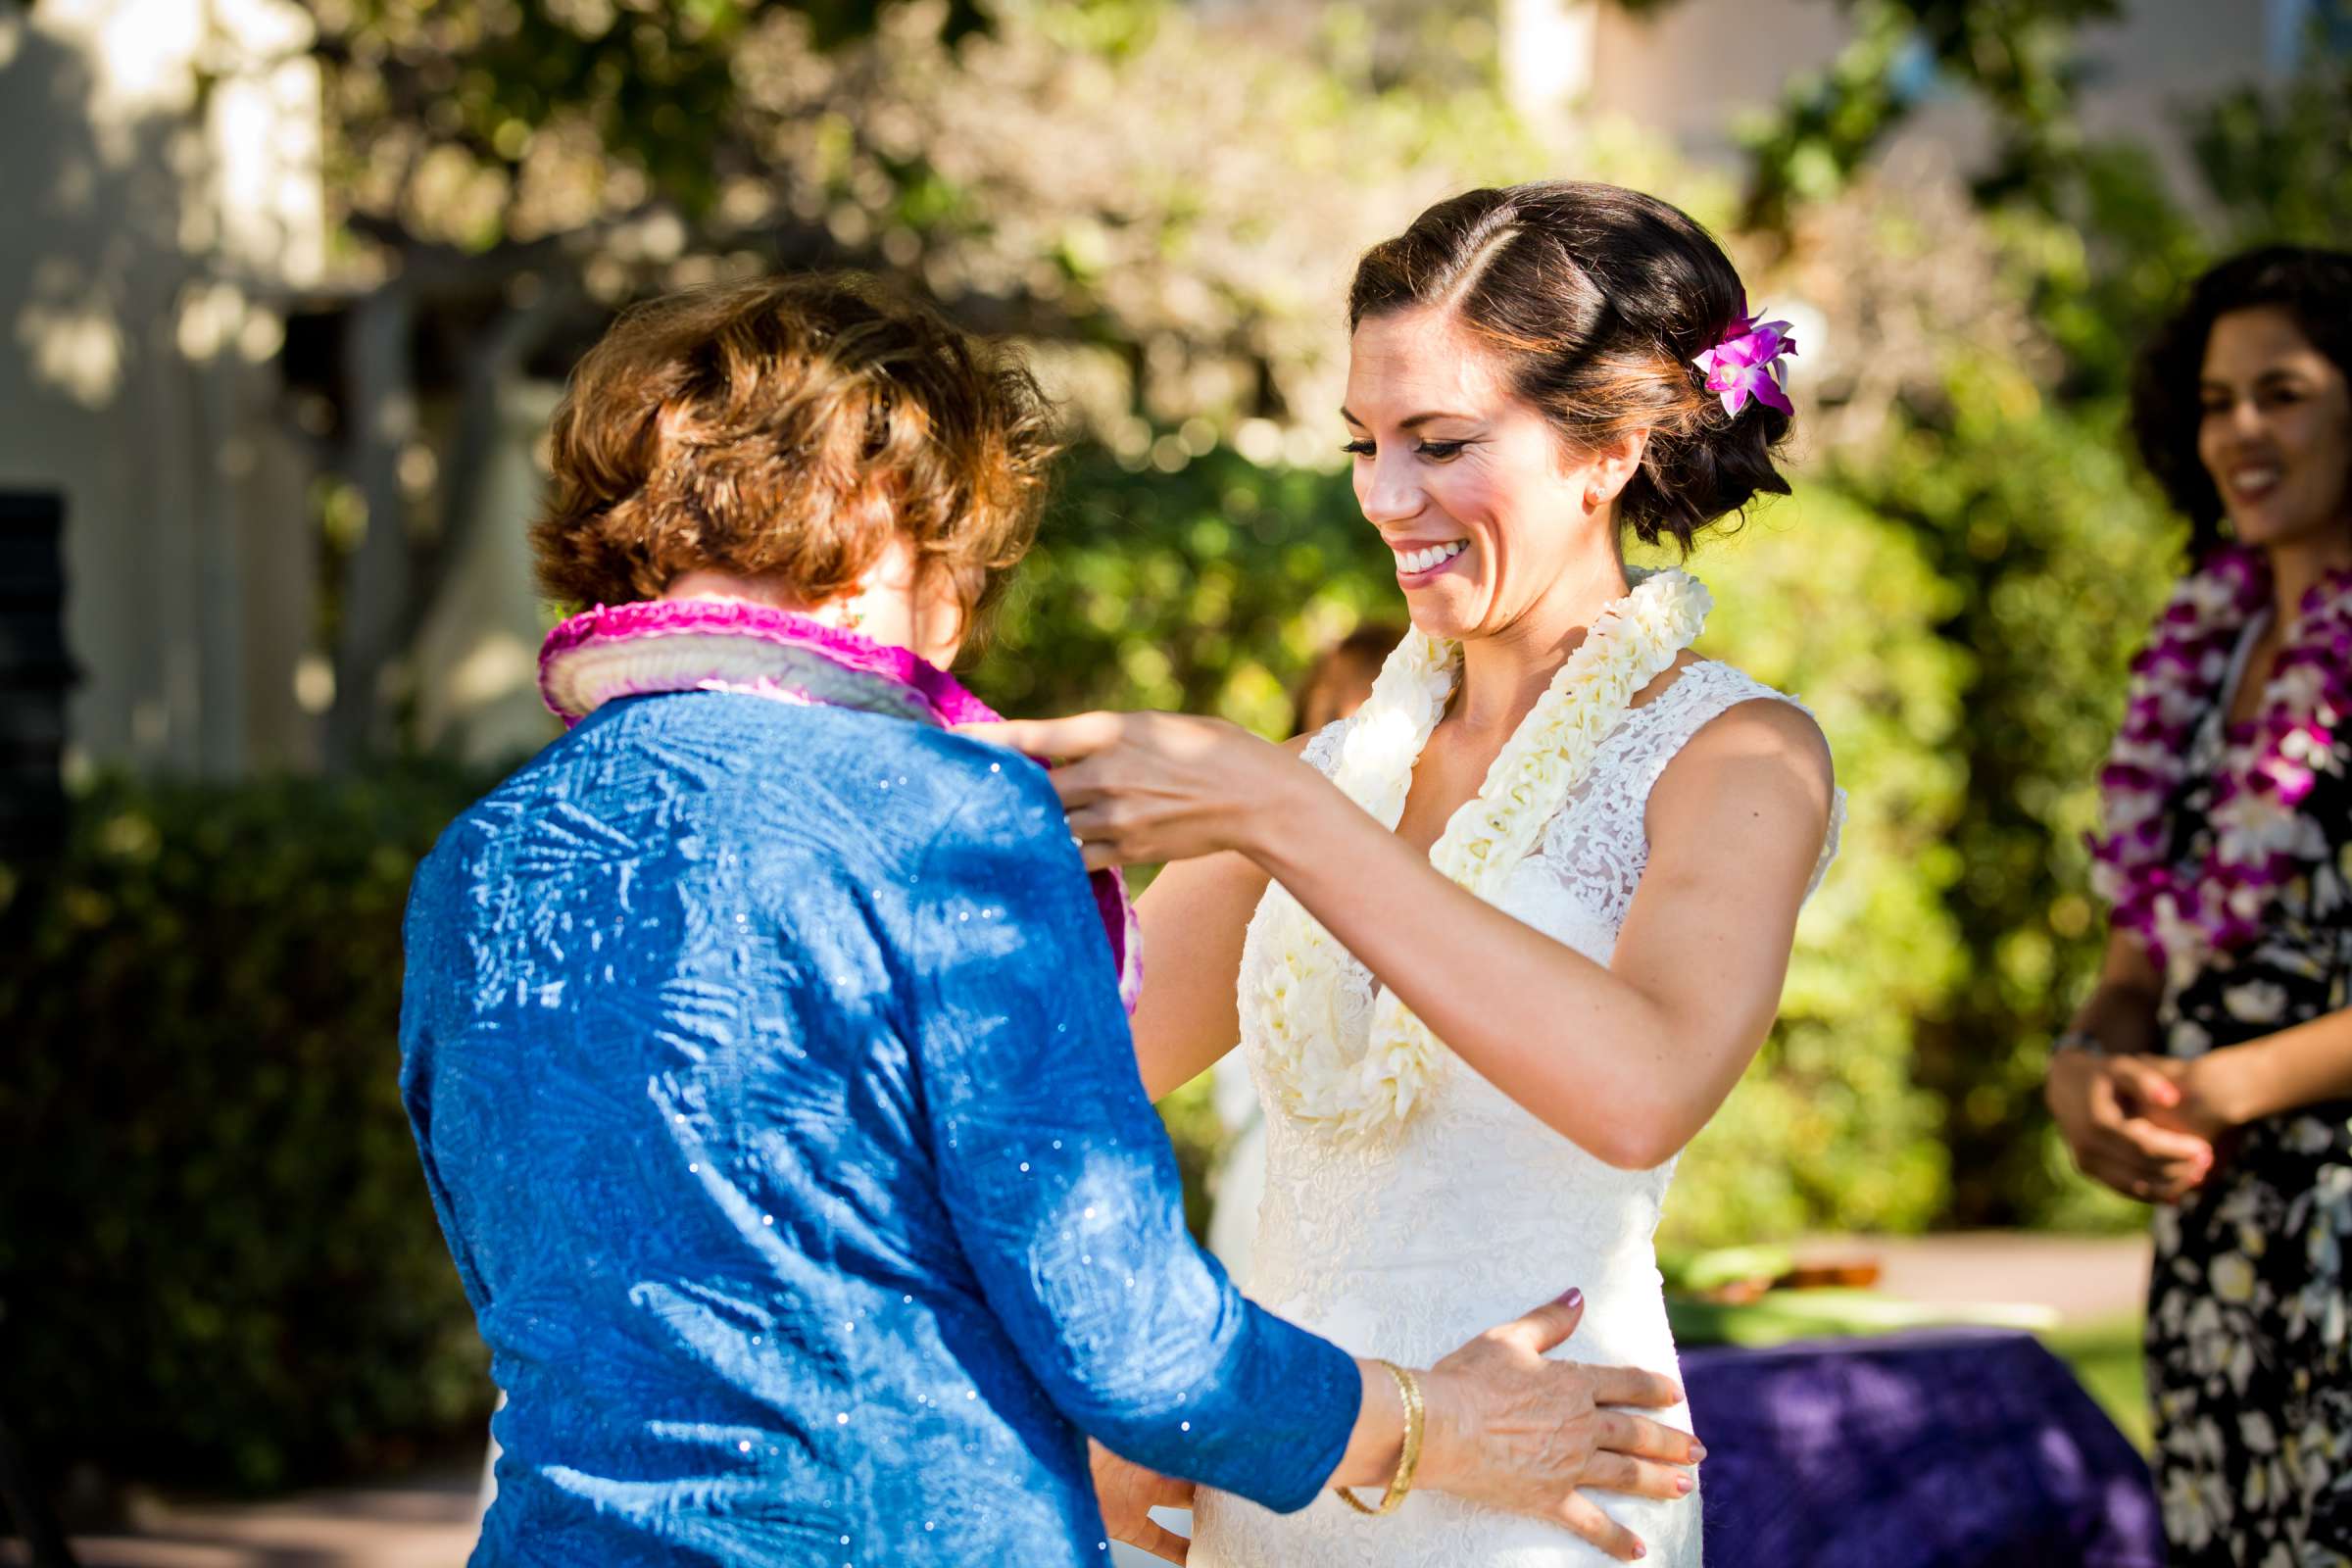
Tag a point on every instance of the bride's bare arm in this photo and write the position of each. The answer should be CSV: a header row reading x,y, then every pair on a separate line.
x,y
1195,915
1629,1060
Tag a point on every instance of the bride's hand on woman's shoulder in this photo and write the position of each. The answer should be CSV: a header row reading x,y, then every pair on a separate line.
x,y
1509,1429
1143,788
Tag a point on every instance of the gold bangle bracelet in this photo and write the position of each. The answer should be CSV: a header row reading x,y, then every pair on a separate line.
x,y
1416,1414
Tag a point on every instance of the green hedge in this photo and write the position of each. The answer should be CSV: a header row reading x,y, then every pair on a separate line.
x,y
219,1263
1828,1130
2055,556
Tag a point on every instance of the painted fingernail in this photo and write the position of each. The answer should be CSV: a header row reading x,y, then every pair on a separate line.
x,y
1698,1453
1639,1550
1683,1485
1574,1297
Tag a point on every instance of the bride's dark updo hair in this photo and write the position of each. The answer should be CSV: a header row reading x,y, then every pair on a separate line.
x,y
1598,298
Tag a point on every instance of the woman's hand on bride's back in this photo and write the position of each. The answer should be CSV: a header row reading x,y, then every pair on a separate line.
x,y
1509,1429
1144,788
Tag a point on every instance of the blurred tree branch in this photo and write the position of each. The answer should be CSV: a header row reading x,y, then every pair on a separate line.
x,y
1014,160
2280,163
433,110
2015,56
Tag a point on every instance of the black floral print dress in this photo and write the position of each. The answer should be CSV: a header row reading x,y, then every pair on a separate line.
x,y
2249,1346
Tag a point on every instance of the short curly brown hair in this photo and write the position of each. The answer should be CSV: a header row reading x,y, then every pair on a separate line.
x,y
788,428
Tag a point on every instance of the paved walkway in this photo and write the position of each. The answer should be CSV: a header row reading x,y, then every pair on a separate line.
x,y
2082,1279
419,1524
429,1524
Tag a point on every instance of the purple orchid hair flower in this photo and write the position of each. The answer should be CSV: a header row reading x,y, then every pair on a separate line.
x,y
1747,364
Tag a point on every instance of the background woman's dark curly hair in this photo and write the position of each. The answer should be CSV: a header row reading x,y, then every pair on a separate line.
x,y
2314,287
1598,298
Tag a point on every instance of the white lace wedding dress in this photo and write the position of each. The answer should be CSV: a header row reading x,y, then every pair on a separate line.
x,y
1478,1211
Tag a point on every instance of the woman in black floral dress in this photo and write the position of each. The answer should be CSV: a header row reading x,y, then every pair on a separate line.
x,y
2211,1071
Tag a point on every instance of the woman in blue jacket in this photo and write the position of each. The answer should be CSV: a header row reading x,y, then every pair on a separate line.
x,y
764,1039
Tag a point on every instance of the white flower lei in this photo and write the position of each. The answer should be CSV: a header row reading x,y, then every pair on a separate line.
x,y
1632,642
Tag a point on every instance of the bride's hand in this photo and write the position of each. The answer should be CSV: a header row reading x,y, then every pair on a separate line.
x,y
1128,1493
1144,788
1508,1429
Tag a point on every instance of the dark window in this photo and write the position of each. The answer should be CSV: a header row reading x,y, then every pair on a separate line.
x,y
35,674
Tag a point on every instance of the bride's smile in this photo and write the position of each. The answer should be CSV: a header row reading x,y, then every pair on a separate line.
x,y
1495,526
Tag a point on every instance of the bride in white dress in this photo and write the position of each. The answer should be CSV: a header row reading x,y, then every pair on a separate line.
x,y
1559,843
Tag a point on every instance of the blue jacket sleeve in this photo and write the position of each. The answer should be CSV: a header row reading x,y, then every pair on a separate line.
x,y
431,976
1061,1183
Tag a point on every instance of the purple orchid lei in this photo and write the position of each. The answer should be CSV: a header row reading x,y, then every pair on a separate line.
x,y
2262,839
926,686
1747,364
730,644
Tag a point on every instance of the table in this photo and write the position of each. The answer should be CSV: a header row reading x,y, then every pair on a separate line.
x,y
1937,1449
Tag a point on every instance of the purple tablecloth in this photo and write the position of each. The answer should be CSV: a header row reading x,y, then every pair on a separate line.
x,y
1951,1449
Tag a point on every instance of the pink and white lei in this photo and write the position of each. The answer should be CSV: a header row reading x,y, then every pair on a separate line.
x,y
732,644
2262,839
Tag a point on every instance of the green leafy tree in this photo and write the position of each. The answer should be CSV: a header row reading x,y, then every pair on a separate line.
x,y
502,168
2008,466
510,173
2017,57
2277,162
2032,518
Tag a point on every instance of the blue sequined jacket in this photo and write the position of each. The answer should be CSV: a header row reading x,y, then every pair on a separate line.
x,y
771,1083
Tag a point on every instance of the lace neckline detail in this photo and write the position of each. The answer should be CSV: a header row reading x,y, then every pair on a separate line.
x,y
1596,844
1689,681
